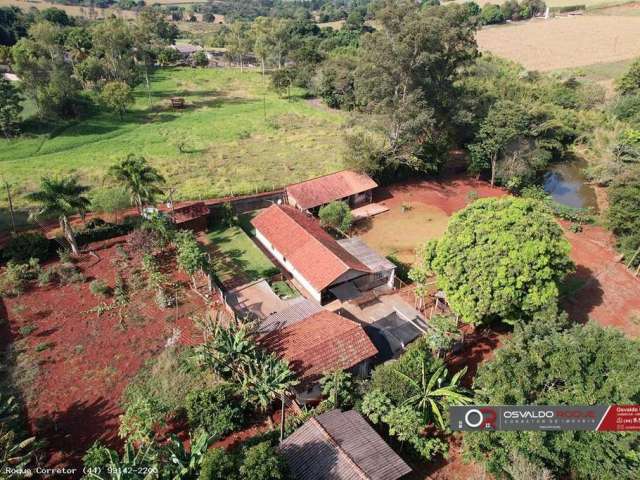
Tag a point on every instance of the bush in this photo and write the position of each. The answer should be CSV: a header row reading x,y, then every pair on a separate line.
x,y
68,273
24,246
218,465
168,378
491,15
623,218
46,276
27,330
336,215
101,232
99,288
215,410
17,276
262,462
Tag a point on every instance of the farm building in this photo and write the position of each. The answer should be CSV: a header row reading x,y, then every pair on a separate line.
x,y
354,188
318,262
340,446
186,50
315,341
191,217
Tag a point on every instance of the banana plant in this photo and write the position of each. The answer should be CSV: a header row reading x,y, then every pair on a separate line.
x,y
431,396
185,464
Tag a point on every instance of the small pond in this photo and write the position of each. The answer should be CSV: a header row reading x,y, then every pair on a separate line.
x,y
567,184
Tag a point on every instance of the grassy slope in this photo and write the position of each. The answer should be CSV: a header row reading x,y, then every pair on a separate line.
x,y
220,144
237,254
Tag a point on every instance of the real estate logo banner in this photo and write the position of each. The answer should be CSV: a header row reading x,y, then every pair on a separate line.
x,y
616,418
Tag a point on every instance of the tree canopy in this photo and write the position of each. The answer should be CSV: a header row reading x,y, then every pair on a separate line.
x,y
547,366
500,259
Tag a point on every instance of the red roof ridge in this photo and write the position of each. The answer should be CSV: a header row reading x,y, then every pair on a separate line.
x,y
296,216
304,215
325,175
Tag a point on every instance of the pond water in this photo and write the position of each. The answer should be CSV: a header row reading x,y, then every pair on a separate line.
x,y
567,184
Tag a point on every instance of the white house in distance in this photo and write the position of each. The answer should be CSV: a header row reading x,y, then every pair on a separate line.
x,y
318,262
356,189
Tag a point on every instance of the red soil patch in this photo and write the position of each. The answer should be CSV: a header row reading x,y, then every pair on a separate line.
x,y
606,291
449,195
79,379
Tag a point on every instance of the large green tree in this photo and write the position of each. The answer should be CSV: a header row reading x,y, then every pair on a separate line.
x,y
543,365
10,107
46,76
141,179
500,259
407,74
61,198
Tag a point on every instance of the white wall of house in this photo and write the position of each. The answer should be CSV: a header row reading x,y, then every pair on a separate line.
x,y
290,268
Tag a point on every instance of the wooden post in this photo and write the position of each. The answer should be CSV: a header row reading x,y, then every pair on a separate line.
x,y
13,218
282,418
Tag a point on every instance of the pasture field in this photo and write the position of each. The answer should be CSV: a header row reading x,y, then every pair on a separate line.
x,y
564,42
234,136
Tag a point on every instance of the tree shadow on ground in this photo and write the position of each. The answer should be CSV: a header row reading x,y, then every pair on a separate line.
x,y
70,433
581,292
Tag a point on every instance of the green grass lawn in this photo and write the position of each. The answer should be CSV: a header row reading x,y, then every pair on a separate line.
x,y
236,256
221,143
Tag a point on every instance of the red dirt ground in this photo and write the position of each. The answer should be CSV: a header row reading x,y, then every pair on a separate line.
x,y
610,293
450,195
79,380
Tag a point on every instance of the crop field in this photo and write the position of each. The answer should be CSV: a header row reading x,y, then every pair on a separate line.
x,y
564,42
73,10
234,136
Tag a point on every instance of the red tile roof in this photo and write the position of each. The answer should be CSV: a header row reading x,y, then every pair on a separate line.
x,y
325,189
312,251
321,343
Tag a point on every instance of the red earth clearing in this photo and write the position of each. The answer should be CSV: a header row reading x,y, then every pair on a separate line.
x,y
78,363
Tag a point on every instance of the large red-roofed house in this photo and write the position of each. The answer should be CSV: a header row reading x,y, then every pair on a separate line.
x,y
351,187
313,257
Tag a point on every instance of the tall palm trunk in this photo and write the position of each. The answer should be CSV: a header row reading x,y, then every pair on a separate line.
x,y
67,231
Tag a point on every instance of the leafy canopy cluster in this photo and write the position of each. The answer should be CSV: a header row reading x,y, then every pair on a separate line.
x,y
545,365
336,215
231,351
411,393
500,259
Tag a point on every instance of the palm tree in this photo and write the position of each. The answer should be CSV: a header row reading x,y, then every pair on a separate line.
x,y
267,378
61,198
431,397
140,179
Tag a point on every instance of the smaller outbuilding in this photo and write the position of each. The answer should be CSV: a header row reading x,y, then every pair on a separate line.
x,y
340,446
356,189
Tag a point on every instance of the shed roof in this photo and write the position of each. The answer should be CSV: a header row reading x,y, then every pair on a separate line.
x,y
325,189
367,255
320,343
297,310
341,446
301,240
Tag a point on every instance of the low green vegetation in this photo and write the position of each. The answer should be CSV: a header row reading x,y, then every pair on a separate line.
x,y
236,256
214,147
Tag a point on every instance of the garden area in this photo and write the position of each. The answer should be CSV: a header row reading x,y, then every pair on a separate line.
x,y
236,258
